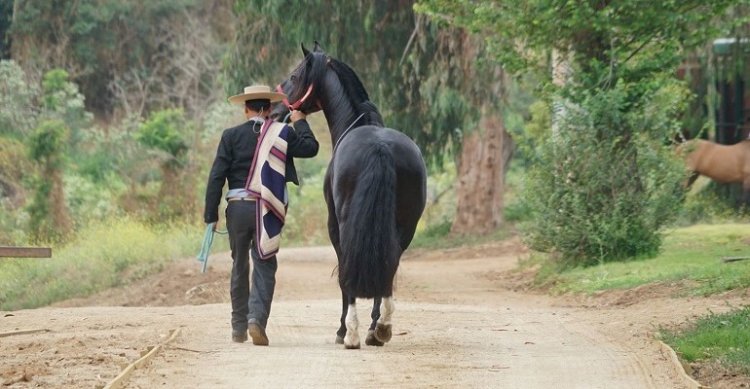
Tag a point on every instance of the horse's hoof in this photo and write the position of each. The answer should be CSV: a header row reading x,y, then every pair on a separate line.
x,y
370,340
351,346
383,332
339,339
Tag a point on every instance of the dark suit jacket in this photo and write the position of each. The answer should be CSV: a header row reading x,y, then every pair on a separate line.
x,y
235,154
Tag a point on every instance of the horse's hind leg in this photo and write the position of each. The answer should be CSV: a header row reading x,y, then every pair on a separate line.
x,y
351,339
383,328
344,309
370,339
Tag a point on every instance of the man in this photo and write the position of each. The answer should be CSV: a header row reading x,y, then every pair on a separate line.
x,y
234,157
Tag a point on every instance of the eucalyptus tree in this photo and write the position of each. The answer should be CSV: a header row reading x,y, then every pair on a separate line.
x,y
428,80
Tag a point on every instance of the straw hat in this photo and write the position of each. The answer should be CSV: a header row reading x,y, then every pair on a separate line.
x,y
256,92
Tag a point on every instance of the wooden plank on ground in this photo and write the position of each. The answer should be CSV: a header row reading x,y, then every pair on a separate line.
x,y
734,259
25,252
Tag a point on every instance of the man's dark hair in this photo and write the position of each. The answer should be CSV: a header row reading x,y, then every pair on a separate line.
x,y
258,104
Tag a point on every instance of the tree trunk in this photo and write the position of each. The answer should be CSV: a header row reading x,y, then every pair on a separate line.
x,y
562,72
481,176
61,223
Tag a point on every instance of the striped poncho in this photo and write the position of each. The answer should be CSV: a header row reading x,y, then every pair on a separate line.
x,y
266,182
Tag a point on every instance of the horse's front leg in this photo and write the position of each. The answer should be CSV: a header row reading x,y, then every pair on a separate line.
x,y
375,315
351,339
383,328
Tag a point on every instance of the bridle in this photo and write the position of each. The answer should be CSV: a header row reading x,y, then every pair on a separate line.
x,y
295,106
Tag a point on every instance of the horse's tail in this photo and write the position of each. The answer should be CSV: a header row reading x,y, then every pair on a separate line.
x,y
369,241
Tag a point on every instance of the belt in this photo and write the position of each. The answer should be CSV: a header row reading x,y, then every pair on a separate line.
x,y
241,199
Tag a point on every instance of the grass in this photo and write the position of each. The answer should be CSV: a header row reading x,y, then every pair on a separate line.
x,y
438,236
723,338
102,257
691,253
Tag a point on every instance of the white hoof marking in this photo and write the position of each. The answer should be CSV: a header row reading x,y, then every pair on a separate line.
x,y
351,340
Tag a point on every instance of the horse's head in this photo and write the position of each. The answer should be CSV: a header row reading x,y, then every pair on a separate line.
x,y
303,84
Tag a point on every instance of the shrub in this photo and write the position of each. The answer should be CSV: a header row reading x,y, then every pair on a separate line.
x,y
606,182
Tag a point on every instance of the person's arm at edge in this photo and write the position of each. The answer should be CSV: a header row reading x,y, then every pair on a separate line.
x,y
302,142
216,179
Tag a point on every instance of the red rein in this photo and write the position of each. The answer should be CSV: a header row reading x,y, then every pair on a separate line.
x,y
296,105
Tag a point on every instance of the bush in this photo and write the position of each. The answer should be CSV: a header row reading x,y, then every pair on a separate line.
x,y
606,183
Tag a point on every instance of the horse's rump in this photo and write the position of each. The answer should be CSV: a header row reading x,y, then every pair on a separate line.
x,y
722,163
367,218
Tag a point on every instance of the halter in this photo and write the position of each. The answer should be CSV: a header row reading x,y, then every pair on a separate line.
x,y
296,105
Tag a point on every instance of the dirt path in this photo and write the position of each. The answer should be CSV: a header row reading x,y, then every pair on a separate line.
x,y
457,324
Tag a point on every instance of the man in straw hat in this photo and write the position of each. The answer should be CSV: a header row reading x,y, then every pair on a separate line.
x,y
234,160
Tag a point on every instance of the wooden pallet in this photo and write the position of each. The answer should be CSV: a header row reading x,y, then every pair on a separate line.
x,y
25,252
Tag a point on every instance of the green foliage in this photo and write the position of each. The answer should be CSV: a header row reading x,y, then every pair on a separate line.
x,y
307,215
104,40
48,211
605,185
17,110
704,204
722,338
165,130
105,255
516,208
61,100
600,34
426,81
6,16
438,236
433,236
48,142
690,260
536,131
14,167
91,201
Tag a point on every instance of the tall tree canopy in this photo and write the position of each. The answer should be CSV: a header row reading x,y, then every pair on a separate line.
x,y
605,37
422,77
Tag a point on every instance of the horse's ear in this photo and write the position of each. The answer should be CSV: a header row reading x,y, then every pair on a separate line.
x,y
317,47
305,51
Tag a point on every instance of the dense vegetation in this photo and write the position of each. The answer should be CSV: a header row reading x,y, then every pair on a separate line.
x,y
110,112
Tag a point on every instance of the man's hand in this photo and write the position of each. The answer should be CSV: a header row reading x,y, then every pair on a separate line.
x,y
298,115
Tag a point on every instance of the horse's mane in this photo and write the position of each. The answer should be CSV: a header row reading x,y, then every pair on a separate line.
x,y
354,91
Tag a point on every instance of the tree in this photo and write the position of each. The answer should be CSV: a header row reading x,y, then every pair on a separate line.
x,y
18,110
135,56
49,218
427,79
6,17
622,52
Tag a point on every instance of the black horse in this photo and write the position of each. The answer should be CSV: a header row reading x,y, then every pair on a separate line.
x,y
374,188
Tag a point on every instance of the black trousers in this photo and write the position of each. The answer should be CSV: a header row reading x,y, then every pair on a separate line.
x,y
251,302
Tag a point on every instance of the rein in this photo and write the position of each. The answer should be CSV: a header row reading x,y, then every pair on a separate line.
x,y
343,134
295,106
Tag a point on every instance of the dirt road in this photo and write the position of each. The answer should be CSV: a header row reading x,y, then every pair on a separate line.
x,y
458,323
